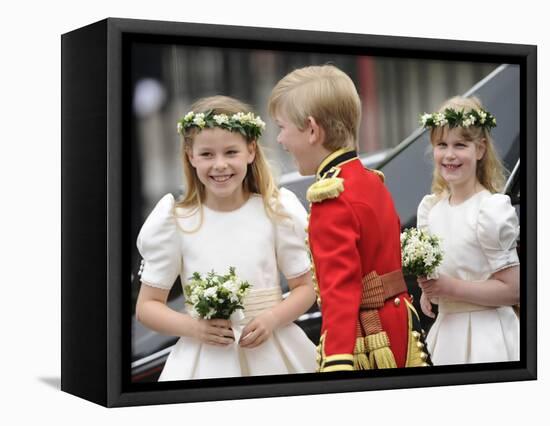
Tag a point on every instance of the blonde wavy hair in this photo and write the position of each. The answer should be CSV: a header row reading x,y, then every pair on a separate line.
x,y
490,171
258,179
325,93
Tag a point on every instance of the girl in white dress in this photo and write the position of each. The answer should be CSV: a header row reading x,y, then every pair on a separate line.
x,y
231,215
479,277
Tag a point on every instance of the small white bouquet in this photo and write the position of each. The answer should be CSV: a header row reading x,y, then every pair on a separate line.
x,y
215,296
421,253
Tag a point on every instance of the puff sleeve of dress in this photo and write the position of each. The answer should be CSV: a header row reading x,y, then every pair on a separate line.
x,y
497,231
159,246
290,236
424,209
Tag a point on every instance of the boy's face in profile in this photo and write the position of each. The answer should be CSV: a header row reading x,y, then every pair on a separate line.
x,y
297,143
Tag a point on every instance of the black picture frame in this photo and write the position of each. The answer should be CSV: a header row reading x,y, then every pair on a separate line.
x,y
95,303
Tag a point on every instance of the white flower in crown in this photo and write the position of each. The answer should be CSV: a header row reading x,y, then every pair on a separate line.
x,y
199,120
180,127
189,116
259,122
469,121
425,117
221,119
439,119
482,116
251,118
239,116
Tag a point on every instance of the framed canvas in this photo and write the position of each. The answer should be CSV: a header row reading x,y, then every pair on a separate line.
x,y
125,83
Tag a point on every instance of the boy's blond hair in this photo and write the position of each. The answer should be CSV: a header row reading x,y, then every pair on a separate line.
x,y
489,170
325,93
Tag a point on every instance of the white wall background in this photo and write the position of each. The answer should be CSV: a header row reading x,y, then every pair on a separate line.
x,y
30,211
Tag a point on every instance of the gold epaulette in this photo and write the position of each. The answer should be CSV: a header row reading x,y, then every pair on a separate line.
x,y
325,189
329,186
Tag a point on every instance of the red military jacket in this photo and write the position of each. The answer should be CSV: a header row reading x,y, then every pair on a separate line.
x,y
353,231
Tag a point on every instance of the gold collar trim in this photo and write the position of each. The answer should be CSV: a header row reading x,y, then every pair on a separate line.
x,y
331,157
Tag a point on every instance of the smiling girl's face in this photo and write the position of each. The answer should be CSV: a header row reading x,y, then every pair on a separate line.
x,y
456,158
221,159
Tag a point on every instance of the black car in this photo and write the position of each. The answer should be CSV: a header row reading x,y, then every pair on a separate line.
x,y
408,171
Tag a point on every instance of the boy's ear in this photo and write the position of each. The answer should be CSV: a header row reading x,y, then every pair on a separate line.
x,y
316,133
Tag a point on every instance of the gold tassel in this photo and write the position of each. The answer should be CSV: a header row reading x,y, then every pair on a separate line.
x,y
360,359
325,189
380,354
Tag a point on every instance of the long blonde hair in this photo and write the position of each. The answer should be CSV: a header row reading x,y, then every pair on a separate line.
x,y
490,171
258,179
325,93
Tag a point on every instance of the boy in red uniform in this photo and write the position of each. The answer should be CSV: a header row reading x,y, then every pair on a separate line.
x,y
368,318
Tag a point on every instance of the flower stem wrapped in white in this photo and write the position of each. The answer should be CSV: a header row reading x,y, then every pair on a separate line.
x,y
421,253
215,296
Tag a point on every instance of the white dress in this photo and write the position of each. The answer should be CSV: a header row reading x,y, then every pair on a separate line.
x,y
258,248
478,239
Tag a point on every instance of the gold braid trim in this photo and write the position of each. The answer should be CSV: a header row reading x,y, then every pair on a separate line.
x,y
340,367
325,189
320,352
380,354
372,296
313,273
338,362
416,357
379,173
370,321
339,357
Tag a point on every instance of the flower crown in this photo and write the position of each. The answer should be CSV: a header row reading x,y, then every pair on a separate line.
x,y
458,118
247,124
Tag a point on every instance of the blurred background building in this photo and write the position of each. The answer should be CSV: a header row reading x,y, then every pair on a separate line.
x,y
166,80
